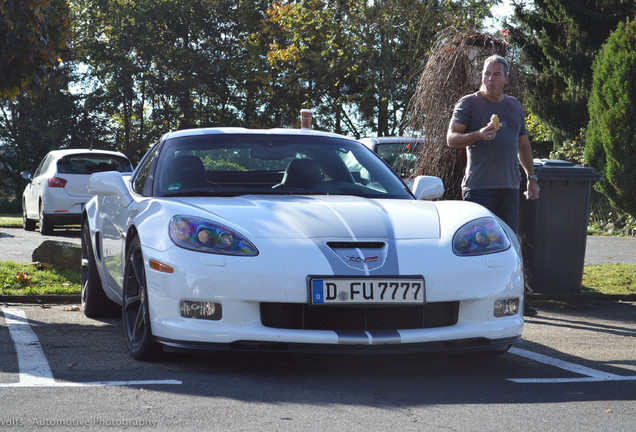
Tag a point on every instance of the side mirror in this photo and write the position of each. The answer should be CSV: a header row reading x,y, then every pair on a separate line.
x,y
109,183
26,175
428,187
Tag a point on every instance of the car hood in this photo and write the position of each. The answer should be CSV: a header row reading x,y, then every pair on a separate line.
x,y
330,217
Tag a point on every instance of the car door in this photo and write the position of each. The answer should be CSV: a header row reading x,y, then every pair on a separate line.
x,y
113,240
116,215
33,190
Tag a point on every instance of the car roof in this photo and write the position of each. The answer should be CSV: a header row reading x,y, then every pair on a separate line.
x,y
66,152
391,139
237,131
372,142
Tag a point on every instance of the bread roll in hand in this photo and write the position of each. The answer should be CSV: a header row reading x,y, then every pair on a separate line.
x,y
494,120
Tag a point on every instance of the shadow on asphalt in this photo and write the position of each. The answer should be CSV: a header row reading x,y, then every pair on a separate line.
x,y
67,232
84,350
61,232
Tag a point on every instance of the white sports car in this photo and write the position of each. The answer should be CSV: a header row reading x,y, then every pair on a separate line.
x,y
293,240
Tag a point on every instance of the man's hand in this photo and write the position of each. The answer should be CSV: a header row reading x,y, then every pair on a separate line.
x,y
488,132
532,191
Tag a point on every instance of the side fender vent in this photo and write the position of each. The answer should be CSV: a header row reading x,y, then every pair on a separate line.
x,y
98,245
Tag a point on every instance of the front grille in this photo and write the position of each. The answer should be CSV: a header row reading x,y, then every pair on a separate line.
x,y
363,318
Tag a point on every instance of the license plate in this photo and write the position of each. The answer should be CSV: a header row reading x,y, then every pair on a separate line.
x,y
363,291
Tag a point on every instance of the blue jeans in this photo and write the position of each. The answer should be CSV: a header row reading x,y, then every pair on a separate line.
x,y
502,202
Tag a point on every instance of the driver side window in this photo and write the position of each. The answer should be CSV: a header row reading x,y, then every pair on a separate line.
x,y
142,183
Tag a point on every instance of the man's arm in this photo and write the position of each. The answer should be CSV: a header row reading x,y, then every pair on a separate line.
x,y
456,137
527,162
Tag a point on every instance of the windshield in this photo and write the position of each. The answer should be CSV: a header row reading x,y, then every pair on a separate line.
x,y
90,163
239,164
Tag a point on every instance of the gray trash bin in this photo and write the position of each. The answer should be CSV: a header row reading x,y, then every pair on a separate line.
x,y
553,229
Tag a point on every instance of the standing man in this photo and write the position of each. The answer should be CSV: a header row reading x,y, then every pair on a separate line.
x,y
494,146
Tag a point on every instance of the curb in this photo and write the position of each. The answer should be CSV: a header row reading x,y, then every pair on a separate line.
x,y
42,299
581,297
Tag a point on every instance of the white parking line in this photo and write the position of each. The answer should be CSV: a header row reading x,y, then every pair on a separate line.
x,y
34,369
592,375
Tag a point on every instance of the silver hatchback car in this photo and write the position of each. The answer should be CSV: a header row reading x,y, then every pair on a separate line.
x,y
401,153
57,191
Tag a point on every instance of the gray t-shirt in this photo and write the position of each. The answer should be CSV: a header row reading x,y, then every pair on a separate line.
x,y
492,164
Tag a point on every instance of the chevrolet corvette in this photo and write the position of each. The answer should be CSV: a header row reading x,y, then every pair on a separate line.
x,y
293,240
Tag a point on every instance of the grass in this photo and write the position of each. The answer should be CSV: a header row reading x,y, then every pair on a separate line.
x,y
18,279
612,279
10,220
609,279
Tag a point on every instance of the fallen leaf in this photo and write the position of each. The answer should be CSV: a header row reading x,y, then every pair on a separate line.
x,y
73,308
23,278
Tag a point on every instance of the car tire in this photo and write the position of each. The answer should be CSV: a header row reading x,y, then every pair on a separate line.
x,y
135,307
46,226
95,303
27,224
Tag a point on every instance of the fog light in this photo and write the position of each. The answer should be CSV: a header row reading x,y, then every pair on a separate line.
x,y
506,307
201,310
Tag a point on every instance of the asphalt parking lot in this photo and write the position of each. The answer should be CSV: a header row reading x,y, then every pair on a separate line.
x,y
574,370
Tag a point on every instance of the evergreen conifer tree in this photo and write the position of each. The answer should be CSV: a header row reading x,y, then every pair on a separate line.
x,y
611,133
559,39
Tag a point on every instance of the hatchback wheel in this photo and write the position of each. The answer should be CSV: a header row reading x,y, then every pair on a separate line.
x,y
46,227
135,309
27,224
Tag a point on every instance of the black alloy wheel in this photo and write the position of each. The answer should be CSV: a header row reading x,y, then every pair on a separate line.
x,y
135,309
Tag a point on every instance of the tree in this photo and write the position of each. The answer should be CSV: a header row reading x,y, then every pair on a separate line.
x,y
161,65
305,57
355,62
559,40
33,125
611,133
34,39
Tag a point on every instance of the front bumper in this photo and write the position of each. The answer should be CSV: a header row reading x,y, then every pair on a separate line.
x,y
459,346
265,304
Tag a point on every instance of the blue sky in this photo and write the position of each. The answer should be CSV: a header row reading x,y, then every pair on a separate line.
x,y
499,12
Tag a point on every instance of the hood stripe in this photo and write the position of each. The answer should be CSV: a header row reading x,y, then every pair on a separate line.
x,y
372,337
338,265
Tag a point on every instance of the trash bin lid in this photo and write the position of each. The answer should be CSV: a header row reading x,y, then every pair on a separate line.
x,y
549,169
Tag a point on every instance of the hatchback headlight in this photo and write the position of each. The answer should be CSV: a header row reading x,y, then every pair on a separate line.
x,y
480,237
202,235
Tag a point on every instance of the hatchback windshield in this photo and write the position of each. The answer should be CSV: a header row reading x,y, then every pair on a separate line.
x,y
238,164
90,163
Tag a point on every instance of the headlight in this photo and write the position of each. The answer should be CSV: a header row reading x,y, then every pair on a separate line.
x,y
480,237
202,235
